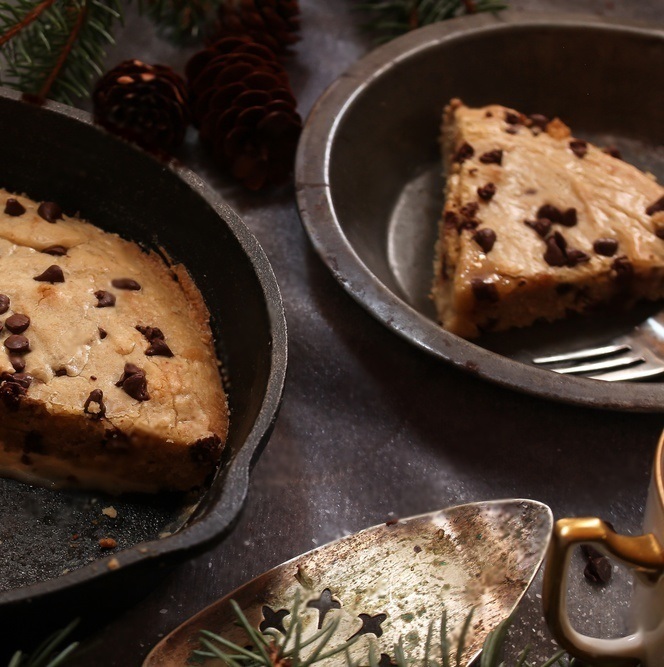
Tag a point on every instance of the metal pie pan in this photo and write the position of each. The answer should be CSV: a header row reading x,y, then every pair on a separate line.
x,y
370,193
54,152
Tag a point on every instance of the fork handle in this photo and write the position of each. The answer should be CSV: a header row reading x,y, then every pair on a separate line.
x,y
642,553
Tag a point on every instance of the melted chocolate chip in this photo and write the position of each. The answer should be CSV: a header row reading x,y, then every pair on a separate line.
x,y
206,450
14,207
125,283
52,275
550,212
451,219
57,250
134,382
17,343
486,192
555,254
542,226
605,247
17,323
158,346
613,152
4,303
464,152
512,129
538,120
484,290
470,210
60,372
50,211
24,379
575,256
104,299
96,396
102,333
492,157
656,206
512,118
17,362
11,390
624,269
569,218
485,239
579,147
659,231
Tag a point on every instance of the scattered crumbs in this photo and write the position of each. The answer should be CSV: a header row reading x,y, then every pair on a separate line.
x,y
107,543
143,550
113,564
165,534
163,611
110,512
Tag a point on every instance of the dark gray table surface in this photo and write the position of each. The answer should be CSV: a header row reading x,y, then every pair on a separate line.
x,y
370,427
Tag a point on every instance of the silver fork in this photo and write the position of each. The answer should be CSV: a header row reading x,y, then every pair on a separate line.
x,y
636,356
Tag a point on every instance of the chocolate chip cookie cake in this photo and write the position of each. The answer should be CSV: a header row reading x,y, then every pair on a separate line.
x,y
538,224
108,376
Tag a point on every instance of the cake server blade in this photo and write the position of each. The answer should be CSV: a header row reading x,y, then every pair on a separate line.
x,y
390,581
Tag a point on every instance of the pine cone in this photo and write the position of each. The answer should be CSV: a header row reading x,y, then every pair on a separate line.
x,y
243,105
273,23
146,104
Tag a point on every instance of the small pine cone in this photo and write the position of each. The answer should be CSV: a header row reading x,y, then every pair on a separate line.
x,y
146,104
273,23
243,105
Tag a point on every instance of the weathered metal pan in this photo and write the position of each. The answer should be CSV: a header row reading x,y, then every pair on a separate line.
x,y
389,581
370,193
49,553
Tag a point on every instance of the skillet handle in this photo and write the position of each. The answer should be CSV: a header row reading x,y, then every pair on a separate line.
x,y
641,553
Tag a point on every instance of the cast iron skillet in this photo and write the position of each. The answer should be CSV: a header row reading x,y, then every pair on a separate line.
x,y
49,553
368,171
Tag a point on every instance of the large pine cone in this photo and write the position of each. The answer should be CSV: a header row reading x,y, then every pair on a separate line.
x,y
146,104
273,23
242,103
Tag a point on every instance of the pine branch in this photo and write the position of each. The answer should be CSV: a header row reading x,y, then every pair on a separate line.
x,y
388,19
55,48
49,653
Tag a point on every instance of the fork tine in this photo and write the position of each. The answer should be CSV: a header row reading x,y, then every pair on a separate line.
x,y
582,354
621,362
636,373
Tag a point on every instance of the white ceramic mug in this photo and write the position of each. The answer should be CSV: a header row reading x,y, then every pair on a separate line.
x,y
644,553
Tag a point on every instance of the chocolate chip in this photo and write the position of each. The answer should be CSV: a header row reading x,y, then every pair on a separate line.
x,y
569,218
606,247
134,382
11,390
542,226
555,254
4,303
52,275
575,256
102,333
488,114
656,206
14,207
550,212
464,152
17,323
57,250
60,372
470,210
125,283
486,192
579,147
512,129
17,343
158,346
206,450
659,231
538,120
492,157
512,118
50,211
484,290
451,219
623,268
613,152
485,238
17,362
104,299
96,396
598,570
24,379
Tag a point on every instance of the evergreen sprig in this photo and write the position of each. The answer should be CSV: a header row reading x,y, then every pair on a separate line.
x,y
271,649
49,653
388,19
54,48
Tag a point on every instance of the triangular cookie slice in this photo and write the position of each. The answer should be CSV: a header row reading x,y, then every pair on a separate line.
x,y
538,224
108,375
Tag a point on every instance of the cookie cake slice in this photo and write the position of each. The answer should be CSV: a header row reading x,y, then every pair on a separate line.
x,y
538,224
108,375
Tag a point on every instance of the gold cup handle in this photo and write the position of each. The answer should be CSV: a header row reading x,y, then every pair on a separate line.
x,y
643,553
